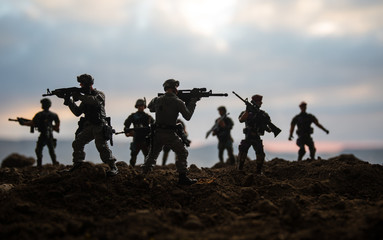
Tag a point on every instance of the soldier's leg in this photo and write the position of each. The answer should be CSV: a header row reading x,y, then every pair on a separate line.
x,y
166,150
310,144
260,154
133,153
104,150
83,138
181,152
39,151
243,148
51,148
230,153
301,151
221,148
181,160
154,150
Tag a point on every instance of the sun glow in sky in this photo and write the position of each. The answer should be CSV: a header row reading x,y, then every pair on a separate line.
x,y
327,53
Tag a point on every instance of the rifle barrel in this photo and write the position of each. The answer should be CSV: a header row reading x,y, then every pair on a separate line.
x,y
219,94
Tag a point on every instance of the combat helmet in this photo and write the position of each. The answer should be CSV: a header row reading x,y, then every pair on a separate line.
x,y
256,98
140,102
46,103
170,83
86,79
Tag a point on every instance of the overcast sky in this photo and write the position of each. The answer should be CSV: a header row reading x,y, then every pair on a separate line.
x,y
327,53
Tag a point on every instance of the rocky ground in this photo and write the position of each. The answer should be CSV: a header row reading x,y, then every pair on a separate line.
x,y
337,198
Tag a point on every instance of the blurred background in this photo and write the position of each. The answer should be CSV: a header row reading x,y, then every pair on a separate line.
x,y
327,53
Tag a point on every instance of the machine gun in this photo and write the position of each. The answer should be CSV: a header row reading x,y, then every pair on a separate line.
x,y
127,130
188,94
255,109
215,126
64,93
22,121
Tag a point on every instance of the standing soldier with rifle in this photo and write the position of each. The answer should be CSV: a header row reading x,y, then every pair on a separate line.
x,y
257,122
303,122
167,107
44,122
141,122
94,125
222,128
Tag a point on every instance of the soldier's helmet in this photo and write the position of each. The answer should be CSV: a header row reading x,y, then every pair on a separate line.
x,y
170,83
303,104
222,108
46,103
256,98
140,102
86,79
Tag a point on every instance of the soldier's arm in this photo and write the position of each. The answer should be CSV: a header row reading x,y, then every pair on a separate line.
x,y
316,122
243,117
127,124
56,126
152,105
292,127
76,110
186,111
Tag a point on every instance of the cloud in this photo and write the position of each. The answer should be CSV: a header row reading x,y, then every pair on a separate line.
x,y
314,18
326,53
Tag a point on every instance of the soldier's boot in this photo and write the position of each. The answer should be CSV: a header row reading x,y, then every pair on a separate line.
x,y
113,170
54,162
132,162
259,168
260,161
39,162
146,169
241,161
76,165
312,155
184,180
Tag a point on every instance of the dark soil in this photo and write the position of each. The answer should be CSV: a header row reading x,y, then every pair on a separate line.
x,y
337,198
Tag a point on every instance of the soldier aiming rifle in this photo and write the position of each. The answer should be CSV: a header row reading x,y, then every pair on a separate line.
x,y
167,107
93,126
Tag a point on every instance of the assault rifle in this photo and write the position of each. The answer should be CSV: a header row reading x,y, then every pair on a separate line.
x,y
64,93
188,94
22,121
215,126
143,129
255,109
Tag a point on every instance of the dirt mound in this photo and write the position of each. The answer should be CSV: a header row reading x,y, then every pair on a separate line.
x,y
17,161
341,198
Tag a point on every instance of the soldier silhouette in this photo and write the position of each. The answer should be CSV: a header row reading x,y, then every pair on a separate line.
x,y
224,124
92,126
303,122
141,122
44,122
167,107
